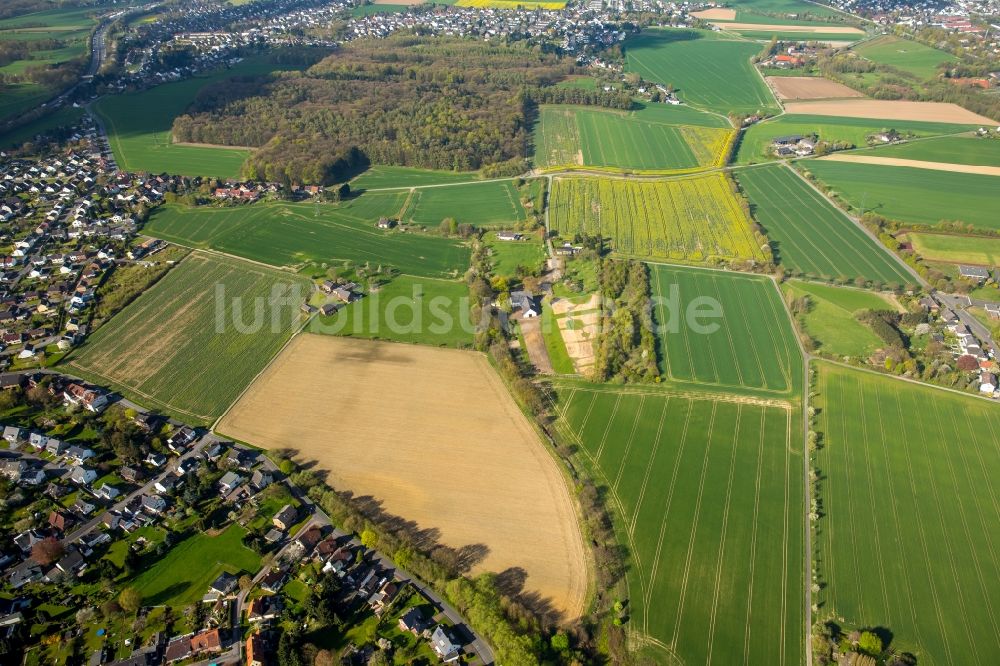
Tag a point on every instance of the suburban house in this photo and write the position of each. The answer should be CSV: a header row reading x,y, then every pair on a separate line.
x,y
60,521
13,469
156,460
443,645
509,236
385,223
229,482
285,517
131,474
261,479
977,273
12,434
55,447
255,650
987,382
90,399
224,584
82,476
180,440
526,303
413,621
153,504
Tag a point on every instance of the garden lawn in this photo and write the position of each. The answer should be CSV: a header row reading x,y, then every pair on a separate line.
x,y
908,531
707,496
755,143
831,322
408,309
291,234
183,575
912,57
507,256
809,235
709,71
190,345
920,196
491,203
746,341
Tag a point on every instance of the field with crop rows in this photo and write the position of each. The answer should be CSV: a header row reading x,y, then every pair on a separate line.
x,y
491,203
812,237
912,57
190,345
692,219
376,177
754,145
921,196
709,71
290,234
708,492
908,537
573,136
946,149
981,250
749,344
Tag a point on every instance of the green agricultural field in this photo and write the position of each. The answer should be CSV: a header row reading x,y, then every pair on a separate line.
x,y
724,330
798,7
676,114
507,256
907,55
18,98
695,219
382,177
139,127
555,346
709,71
809,235
920,196
173,581
982,250
756,140
408,309
797,36
190,345
830,320
490,203
908,533
64,117
290,234
948,149
707,492
574,136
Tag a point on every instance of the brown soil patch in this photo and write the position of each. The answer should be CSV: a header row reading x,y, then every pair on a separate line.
x,y
716,13
916,164
809,87
818,29
531,329
579,329
940,112
434,436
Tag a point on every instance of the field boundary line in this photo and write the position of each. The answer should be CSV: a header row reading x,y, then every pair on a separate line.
x,y
732,398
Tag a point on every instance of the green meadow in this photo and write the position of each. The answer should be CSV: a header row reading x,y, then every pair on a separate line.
x,y
830,321
709,71
756,140
907,55
809,235
707,493
719,329
908,529
190,345
919,196
983,250
485,204
291,234
139,125
508,256
949,149
385,177
408,309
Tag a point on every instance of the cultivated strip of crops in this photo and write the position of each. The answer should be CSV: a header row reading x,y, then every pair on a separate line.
x,y
694,219
909,532
708,490
192,343
810,236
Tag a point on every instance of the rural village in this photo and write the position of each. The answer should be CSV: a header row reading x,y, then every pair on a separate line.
x,y
495,331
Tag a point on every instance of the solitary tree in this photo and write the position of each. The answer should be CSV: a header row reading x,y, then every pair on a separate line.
x,y
130,599
47,551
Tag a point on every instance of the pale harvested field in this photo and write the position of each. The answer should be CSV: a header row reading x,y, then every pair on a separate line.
x,y
579,339
809,87
534,342
819,29
716,13
434,435
940,112
916,164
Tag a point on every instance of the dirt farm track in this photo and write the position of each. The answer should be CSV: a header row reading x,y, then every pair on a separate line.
x,y
433,434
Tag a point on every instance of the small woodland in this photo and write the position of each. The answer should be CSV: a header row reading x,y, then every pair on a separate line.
x,y
431,102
